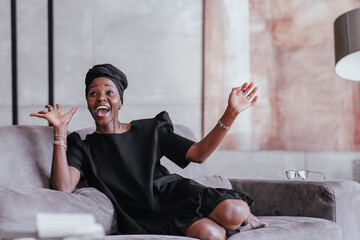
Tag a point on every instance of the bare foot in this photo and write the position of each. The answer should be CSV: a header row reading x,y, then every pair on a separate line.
x,y
253,223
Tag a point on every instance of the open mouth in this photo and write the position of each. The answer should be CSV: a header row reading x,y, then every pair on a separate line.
x,y
101,111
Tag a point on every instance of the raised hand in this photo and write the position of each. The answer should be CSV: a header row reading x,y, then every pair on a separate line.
x,y
56,117
241,98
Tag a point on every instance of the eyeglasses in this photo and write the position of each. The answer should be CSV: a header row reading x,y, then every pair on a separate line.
x,y
302,174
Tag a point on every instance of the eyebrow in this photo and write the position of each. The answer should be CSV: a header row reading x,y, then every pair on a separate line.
x,y
106,85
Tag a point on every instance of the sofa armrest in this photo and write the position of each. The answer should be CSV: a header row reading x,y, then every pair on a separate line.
x,y
338,201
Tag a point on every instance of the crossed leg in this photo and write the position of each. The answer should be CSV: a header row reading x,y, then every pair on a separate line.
x,y
229,214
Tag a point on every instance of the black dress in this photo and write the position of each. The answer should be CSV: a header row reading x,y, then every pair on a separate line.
x,y
126,168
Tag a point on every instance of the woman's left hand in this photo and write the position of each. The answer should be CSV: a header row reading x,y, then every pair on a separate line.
x,y
241,98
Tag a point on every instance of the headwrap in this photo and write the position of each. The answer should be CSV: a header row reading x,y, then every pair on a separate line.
x,y
109,71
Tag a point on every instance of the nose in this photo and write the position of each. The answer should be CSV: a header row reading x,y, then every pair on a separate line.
x,y
101,98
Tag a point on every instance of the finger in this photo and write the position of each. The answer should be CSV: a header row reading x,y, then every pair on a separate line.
x,y
58,107
73,110
235,90
49,107
37,115
254,100
248,88
42,112
252,93
243,87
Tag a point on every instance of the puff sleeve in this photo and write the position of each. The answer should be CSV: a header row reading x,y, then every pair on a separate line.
x,y
173,146
75,151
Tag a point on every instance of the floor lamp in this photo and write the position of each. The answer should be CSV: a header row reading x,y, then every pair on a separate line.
x,y
347,56
347,45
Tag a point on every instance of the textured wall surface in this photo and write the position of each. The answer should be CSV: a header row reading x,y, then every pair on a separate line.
x,y
304,105
157,44
306,116
226,65
5,66
32,58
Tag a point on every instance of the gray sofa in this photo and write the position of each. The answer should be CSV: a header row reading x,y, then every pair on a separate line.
x,y
293,209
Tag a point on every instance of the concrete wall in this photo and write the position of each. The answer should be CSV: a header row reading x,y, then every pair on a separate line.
x,y
157,43
32,58
5,64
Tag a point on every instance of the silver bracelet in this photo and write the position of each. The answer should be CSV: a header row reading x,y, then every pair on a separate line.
x,y
61,143
223,126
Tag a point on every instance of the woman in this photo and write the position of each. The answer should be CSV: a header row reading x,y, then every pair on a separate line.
x,y
122,160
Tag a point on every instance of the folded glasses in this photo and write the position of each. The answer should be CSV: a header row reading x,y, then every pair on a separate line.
x,y
302,174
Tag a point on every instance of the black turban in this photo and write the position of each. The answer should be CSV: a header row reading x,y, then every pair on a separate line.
x,y
109,71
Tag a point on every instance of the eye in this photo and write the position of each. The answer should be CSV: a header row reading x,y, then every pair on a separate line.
x,y
92,94
109,92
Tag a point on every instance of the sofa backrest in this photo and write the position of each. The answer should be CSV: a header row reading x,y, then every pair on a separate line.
x,y
26,156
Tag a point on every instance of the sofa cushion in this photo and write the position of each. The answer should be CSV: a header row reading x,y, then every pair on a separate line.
x,y
292,228
18,208
336,200
214,181
284,228
289,198
147,237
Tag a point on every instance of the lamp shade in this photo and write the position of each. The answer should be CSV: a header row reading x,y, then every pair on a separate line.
x,y
347,45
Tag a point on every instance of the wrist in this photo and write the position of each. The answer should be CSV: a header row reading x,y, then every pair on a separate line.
x,y
60,130
229,116
227,128
231,112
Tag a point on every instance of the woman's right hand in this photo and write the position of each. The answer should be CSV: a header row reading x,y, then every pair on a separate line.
x,y
57,117
63,177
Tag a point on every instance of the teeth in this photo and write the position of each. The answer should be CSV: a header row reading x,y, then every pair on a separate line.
x,y
102,107
99,113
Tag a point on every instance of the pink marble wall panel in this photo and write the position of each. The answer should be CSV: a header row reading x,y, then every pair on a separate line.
x,y
303,105
226,65
292,57
213,62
